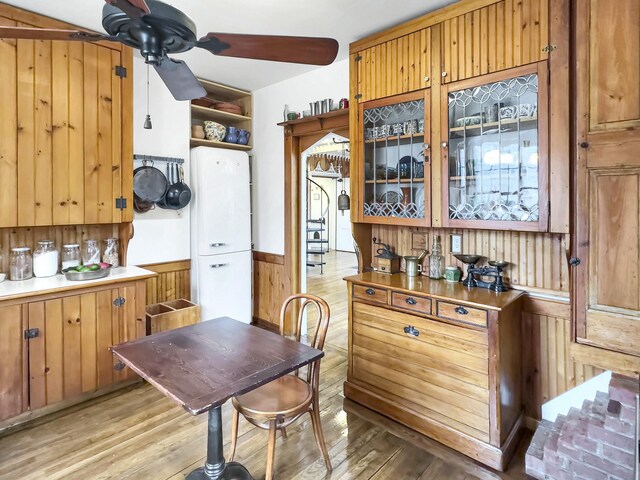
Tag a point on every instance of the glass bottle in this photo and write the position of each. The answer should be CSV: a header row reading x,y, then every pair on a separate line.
x,y
90,252
110,252
436,259
45,259
70,255
20,264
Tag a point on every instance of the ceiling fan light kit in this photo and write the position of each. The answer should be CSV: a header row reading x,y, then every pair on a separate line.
x,y
157,30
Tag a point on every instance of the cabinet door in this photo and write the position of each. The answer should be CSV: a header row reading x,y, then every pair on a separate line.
x,y
66,138
71,355
500,36
395,162
495,155
606,285
13,368
398,66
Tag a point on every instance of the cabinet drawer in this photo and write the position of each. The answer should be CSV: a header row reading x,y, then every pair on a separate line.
x,y
462,313
377,295
414,303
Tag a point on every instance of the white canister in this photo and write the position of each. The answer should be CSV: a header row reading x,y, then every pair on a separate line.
x,y
45,259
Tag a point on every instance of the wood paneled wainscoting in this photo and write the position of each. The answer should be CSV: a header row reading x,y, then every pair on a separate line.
x,y
173,281
539,266
268,288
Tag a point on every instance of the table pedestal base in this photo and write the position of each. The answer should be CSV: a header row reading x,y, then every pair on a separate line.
x,y
215,467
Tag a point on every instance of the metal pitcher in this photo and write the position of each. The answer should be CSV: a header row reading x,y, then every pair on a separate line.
x,y
413,264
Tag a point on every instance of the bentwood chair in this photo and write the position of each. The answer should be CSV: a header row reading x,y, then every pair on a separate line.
x,y
276,405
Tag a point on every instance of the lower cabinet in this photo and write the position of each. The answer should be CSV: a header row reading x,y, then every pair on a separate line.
x,y
56,347
448,367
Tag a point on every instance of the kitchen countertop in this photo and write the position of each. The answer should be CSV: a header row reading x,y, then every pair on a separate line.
x,y
10,290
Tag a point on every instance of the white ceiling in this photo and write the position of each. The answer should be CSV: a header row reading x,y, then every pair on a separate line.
x,y
346,21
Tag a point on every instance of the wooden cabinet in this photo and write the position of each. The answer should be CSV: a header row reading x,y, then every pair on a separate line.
x,y
446,363
56,346
495,150
13,368
481,53
396,160
66,128
496,37
606,284
400,65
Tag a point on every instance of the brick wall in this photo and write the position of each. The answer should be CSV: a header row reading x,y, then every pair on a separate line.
x,y
596,442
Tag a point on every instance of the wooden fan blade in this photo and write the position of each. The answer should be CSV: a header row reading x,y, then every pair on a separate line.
x,y
133,8
49,34
307,50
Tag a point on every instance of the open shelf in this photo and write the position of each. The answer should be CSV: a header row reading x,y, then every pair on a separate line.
x,y
218,115
198,142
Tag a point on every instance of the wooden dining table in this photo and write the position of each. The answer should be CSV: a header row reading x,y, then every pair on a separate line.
x,y
202,366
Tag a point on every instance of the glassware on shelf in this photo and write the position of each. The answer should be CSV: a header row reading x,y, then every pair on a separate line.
x,y
20,264
394,160
90,252
493,151
70,255
45,259
110,252
436,259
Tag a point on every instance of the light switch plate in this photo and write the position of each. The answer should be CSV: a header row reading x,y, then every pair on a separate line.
x,y
456,243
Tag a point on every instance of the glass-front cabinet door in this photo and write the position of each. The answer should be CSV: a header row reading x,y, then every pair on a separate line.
x,y
396,160
495,160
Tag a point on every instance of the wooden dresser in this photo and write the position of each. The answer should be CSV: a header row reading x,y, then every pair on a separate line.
x,y
440,358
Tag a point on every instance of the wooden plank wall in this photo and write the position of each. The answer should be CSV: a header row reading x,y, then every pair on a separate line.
x,y
268,287
496,37
538,260
29,236
172,282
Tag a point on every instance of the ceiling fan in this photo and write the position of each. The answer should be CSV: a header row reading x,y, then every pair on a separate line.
x,y
157,29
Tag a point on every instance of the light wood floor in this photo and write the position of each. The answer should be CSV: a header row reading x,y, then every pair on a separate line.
x,y
139,434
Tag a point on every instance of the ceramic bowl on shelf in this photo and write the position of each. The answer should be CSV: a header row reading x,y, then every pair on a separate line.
x,y
214,131
470,120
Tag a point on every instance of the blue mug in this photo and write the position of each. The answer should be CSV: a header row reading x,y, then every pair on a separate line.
x,y
243,137
232,135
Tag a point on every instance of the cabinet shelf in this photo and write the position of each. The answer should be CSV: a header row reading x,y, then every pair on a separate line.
x,y
396,180
395,138
199,142
530,122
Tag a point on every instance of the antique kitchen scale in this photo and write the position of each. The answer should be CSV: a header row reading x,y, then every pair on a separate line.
x,y
476,275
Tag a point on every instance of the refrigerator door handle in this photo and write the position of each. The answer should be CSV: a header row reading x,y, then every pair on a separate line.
x,y
218,265
217,245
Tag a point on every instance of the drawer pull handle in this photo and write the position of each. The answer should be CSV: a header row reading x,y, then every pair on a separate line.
x,y
410,330
218,265
370,291
218,244
411,301
461,310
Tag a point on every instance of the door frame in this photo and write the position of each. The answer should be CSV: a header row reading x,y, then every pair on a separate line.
x,y
298,136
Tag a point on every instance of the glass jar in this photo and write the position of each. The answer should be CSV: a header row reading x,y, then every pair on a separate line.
x,y
70,255
436,259
90,252
20,264
110,252
45,259
452,274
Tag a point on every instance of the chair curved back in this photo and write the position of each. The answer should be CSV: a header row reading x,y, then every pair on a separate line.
x,y
320,332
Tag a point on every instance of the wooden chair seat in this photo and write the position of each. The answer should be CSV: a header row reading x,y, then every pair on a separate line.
x,y
284,397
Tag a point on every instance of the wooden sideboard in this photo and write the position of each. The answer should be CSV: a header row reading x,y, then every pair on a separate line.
x,y
440,358
56,336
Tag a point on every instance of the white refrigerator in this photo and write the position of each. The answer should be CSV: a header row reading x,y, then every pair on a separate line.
x,y
221,233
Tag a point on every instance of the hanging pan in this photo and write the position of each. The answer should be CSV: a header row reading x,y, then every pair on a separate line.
x,y
178,195
149,183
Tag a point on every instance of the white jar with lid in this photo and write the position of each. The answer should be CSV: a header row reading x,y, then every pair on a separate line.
x,y
45,259
21,264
